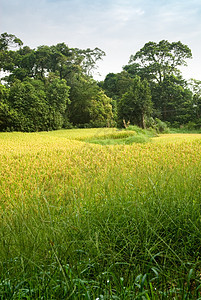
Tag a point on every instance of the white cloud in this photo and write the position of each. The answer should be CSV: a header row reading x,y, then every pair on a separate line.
x,y
125,14
119,27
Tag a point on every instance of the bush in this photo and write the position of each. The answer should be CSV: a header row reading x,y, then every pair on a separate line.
x,y
193,125
150,132
160,126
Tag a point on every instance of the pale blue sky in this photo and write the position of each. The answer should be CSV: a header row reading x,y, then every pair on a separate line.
x,y
119,27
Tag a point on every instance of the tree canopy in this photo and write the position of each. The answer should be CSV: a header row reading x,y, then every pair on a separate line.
x,y
159,64
52,87
161,60
136,104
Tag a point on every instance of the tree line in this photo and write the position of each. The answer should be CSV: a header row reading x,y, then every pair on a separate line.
x,y
52,87
151,87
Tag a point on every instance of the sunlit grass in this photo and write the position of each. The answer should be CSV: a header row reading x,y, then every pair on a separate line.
x,y
83,221
176,138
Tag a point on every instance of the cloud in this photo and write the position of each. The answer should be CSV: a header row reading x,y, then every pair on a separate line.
x,y
125,14
119,27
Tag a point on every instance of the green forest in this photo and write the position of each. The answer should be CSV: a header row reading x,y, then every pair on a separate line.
x,y
52,87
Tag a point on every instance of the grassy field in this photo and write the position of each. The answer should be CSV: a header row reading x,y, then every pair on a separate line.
x,y
80,220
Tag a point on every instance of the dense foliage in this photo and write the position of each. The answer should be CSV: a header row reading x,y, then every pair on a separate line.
x,y
52,87
173,99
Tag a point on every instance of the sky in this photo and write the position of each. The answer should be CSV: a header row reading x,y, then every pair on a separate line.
x,y
118,27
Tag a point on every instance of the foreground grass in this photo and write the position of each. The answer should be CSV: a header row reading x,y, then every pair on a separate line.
x,y
83,221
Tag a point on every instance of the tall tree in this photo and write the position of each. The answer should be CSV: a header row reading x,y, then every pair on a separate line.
x,y
57,93
160,60
8,41
89,59
159,63
136,103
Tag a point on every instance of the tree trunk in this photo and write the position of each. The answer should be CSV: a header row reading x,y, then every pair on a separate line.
x,y
143,121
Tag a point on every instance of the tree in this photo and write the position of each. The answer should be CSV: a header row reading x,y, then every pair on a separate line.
x,y
89,104
136,103
160,60
195,86
58,59
23,64
135,69
28,99
57,94
7,114
89,59
42,62
57,75
63,61
100,110
115,85
172,100
159,63
9,40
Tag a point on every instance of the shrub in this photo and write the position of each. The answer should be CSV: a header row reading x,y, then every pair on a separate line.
x,y
160,126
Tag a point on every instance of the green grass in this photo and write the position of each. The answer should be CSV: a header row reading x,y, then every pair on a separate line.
x,y
133,134
148,132
185,130
81,221
123,141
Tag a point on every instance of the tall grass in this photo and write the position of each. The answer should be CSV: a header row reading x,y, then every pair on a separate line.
x,y
82,221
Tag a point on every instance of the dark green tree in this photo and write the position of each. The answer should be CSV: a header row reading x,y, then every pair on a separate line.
x,y
195,86
28,99
87,99
9,40
136,105
58,68
115,85
172,100
57,95
156,61
159,63
7,57
7,114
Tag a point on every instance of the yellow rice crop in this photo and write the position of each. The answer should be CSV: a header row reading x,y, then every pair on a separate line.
x,y
93,210
57,167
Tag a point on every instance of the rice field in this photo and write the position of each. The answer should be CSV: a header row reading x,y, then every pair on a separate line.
x,y
84,221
